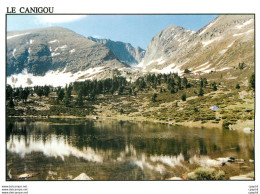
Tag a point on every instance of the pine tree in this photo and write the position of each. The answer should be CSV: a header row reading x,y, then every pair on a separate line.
x,y
201,92
214,86
120,90
39,91
185,82
79,100
46,90
154,97
203,82
67,98
252,81
9,91
183,97
61,94
179,83
10,103
130,91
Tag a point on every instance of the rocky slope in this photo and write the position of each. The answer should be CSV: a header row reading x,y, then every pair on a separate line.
x,y
219,46
125,52
166,44
37,52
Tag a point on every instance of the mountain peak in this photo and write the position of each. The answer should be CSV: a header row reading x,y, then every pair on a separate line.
x,y
217,46
55,48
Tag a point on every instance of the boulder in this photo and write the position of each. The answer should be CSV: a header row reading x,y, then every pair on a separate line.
x,y
174,178
52,173
83,176
241,177
27,175
248,130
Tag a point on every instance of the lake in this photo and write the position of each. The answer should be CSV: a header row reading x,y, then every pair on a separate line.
x,y
62,149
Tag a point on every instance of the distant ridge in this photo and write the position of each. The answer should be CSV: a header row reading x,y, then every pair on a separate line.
x,y
125,52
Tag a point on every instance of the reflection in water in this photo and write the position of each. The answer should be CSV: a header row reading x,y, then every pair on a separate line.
x,y
110,150
52,147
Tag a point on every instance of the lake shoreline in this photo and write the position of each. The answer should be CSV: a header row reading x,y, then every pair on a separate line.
x,y
198,124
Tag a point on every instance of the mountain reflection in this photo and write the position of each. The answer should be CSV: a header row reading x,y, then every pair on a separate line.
x,y
54,146
110,150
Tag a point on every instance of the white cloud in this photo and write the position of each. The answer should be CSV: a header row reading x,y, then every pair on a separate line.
x,y
57,19
97,36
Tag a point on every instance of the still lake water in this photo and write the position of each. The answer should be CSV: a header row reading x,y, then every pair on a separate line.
x,y
62,149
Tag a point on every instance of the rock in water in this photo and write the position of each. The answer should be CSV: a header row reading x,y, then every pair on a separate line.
x,y
83,176
52,173
27,175
174,178
9,174
241,177
248,130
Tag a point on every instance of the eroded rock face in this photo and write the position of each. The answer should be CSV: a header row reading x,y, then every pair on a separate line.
x,y
125,52
166,44
41,50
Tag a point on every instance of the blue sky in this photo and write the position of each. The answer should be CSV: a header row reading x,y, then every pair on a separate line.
x,y
135,29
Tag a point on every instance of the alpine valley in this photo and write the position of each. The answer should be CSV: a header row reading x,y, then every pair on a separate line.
x,y
83,108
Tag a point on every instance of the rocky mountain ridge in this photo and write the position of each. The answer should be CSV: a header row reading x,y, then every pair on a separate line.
x,y
219,46
55,48
46,56
125,52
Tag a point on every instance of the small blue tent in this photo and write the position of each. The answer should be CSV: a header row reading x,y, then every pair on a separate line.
x,y
214,108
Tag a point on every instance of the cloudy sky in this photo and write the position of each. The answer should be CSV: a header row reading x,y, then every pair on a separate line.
x,y
135,29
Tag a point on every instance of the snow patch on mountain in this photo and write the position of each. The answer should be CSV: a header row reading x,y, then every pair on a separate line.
x,y
238,34
247,32
159,61
61,47
54,54
230,44
54,78
169,69
52,41
244,24
14,53
223,69
198,67
205,43
72,51
13,36
222,51
140,65
202,69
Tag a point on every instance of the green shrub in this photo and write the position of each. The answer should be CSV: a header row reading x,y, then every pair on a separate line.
x,y
187,71
241,66
224,116
226,124
196,109
206,174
